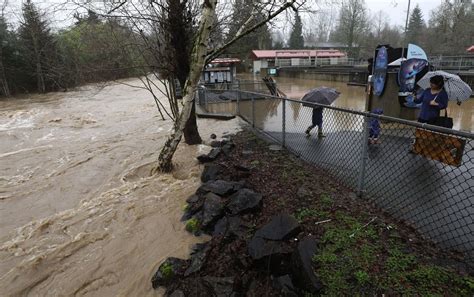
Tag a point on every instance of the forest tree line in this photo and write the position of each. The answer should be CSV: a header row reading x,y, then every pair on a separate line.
x,y
36,57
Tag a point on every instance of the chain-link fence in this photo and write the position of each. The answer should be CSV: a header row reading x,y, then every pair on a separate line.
x,y
418,173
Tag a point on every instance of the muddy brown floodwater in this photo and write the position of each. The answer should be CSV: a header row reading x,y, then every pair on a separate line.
x,y
79,213
353,97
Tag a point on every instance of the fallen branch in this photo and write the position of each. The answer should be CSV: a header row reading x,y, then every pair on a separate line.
x,y
370,222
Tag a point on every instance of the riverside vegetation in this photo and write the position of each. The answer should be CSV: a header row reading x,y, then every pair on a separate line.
x,y
297,231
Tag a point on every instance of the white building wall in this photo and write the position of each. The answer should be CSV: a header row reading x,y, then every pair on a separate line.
x,y
257,66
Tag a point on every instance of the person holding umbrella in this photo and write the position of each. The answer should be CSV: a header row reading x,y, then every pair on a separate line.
x,y
432,100
440,86
317,120
321,95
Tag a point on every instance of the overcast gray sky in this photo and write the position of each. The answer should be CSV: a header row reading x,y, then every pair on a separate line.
x,y
395,9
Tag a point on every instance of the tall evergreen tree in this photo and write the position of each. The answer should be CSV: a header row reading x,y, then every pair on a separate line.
x,y
416,26
38,47
296,38
4,36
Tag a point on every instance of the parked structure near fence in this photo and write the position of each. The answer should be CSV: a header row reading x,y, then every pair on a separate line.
x,y
421,174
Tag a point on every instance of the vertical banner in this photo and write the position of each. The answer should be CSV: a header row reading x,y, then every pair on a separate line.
x,y
380,70
413,67
408,73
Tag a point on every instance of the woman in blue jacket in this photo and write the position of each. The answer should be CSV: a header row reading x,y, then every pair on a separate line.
x,y
432,100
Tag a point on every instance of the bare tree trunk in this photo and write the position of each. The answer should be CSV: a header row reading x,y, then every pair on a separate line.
x,y
191,133
40,78
198,58
3,79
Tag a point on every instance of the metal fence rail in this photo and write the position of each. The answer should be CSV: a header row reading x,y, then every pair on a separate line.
x,y
418,173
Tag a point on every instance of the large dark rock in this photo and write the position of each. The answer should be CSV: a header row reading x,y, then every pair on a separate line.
x,y
260,248
192,199
216,143
211,156
242,168
212,210
269,242
281,227
222,286
243,201
169,270
191,286
230,226
211,172
302,265
285,285
198,258
227,148
177,293
195,204
219,187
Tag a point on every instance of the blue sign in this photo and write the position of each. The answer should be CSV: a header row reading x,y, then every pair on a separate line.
x,y
416,52
380,71
407,74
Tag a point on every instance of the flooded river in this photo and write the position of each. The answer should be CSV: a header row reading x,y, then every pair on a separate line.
x,y
352,97
79,213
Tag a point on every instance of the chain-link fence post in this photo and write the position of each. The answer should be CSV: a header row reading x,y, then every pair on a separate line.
x,y
253,111
239,98
364,156
283,126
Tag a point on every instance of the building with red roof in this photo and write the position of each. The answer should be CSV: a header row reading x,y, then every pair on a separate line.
x,y
293,58
220,70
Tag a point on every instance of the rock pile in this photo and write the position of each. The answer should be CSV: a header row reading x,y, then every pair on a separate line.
x,y
220,208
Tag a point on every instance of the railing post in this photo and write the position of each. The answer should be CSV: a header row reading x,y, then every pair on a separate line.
x,y
364,156
239,98
253,111
283,124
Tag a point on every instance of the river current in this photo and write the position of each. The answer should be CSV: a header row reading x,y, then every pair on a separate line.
x,y
80,214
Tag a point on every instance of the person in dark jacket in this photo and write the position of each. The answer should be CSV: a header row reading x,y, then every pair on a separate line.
x,y
374,127
432,100
317,120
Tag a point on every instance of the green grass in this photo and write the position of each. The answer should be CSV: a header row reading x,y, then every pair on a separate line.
x,y
304,213
166,270
326,200
192,225
353,261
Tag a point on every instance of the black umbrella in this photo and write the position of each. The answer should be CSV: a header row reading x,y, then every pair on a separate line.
x,y
321,95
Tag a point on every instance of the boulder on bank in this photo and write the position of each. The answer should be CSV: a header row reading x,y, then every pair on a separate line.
x,y
211,156
260,249
211,172
302,265
281,227
285,285
195,204
227,147
221,286
216,143
244,200
198,258
270,240
219,187
230,226
169,270
212,210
